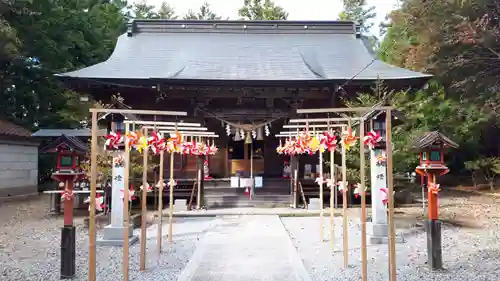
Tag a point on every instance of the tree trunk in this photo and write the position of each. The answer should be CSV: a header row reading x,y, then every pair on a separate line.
x,y
491,182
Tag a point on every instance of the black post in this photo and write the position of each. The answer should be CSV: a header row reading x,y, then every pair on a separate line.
x,y
55,203
68,253
434,253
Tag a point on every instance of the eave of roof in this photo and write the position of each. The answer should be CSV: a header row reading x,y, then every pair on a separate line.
x,y
72,142
244,51
9,129
429,138
68,132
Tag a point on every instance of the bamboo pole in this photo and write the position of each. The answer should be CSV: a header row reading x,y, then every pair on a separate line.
x,y
144,210
321,221
343,109
93,187
160,203
171,199
344,205
126,215
364,261
198,182
390,187
332,207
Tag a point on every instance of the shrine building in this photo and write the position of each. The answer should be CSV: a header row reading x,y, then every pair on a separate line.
x,y
241,75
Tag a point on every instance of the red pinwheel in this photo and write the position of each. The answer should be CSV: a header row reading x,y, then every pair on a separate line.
x,y
156,142
329,140
372,138
67,194
113,140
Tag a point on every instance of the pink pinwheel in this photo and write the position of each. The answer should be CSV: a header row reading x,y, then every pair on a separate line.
x,y
372,138
131,194
357,190
320,181
149,188
172,183
385,195
434,188
160,183
342,186
99,202
67,194
113,140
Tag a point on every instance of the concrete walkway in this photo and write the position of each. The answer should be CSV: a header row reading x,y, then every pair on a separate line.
x,y
246,248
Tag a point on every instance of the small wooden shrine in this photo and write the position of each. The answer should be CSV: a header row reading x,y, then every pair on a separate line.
x,y
70,152
431,147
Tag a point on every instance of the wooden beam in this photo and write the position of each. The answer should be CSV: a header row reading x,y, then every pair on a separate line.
x,y
188,133
322,120
138,111
314,126
342,109
173,128
162,123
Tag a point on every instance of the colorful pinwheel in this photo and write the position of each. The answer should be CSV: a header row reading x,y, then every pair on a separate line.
x,y
142,144
149,188
385,195
113,140
131,194
342,186
172,183
381,159
118,161
372,138
132,139
349,139
357,190
156,142
434,188
99,202
67,194
329,140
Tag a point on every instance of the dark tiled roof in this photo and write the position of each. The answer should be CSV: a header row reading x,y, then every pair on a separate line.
x,y
10,129
429,138
68,132
241,51
73,143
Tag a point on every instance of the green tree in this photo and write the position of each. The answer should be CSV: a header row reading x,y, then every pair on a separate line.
x,y
359,12
204,14
488,167
262,10
166,12
142,10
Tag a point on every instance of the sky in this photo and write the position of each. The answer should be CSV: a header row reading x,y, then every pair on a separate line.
x,y
297,9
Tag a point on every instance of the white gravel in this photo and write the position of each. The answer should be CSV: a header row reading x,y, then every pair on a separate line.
x,y
468,253
30,241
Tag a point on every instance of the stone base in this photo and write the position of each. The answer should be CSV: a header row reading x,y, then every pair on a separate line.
x,y
314,204
113,236
379,234
180,205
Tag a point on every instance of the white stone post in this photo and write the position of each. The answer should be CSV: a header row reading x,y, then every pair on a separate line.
x,y
379,227
113,233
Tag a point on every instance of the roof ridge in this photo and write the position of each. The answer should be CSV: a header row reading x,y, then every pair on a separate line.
x,y
263,26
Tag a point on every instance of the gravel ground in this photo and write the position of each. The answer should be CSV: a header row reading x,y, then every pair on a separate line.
x,y
29,247
470,243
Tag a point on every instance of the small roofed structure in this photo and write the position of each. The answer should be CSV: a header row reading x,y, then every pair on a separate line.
x,y
432,139
431,146
69,150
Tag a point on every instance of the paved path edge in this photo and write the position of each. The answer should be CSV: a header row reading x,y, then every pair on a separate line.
x,y
295,259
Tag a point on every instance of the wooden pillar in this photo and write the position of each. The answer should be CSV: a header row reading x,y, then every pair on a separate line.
x,y
144,197
201,172
390,187
93,187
